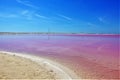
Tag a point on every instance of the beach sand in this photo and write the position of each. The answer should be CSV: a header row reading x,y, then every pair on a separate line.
x,y
19,66
13,67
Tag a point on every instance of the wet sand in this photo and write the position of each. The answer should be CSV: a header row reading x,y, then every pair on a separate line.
x,y
19,66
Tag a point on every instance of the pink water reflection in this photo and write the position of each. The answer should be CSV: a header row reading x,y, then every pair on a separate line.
x,y
94,55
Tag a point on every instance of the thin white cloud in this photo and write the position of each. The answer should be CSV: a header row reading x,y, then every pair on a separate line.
x,y
65,17
31,15
41,16
8,16
91,24
12,15
27,3
24,12
102,19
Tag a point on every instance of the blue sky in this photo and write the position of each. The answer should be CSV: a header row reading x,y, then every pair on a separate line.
x,y
80,16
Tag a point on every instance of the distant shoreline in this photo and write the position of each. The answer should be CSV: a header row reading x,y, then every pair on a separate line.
x,y
45,33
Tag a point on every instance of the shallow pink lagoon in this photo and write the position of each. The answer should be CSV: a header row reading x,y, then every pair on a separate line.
x,y
89,56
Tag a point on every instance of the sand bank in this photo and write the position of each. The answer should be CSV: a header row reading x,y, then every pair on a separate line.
x,y
23,66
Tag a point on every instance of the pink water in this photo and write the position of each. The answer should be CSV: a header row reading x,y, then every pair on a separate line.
x,y
90,56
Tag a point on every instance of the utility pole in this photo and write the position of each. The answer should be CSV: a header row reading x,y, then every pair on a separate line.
x,y
48,33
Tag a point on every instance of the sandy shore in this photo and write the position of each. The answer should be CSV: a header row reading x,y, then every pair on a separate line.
x,y
19,66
